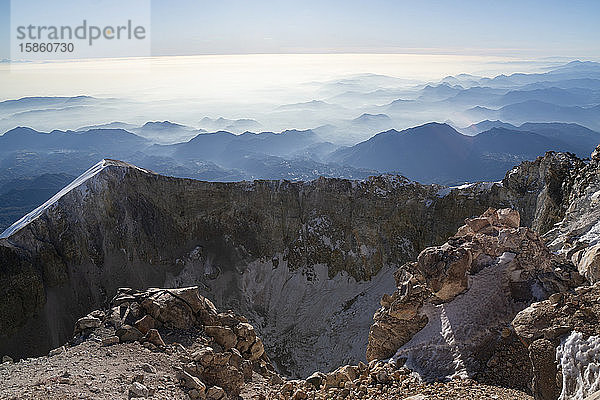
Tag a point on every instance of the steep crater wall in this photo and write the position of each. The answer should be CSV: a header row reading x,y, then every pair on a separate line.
x,y
305,261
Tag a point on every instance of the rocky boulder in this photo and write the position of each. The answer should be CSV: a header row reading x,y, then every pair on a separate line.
x,y
451,312
224,349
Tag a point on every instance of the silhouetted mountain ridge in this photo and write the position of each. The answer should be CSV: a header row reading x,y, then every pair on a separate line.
x,y
438,153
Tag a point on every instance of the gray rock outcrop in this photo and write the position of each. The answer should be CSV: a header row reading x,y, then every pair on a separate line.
x,y
568,324
577,236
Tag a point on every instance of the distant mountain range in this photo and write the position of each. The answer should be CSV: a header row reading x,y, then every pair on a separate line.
x,y
166,132
429,153
230,125
354,127
438,153
483,126
104,140
568,93
225,147
33,103
37,163
539,111
292,154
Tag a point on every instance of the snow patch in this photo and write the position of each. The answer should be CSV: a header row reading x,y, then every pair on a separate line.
x,y
443,348
385,184
579,359
477,187
90,173
77,184
396,181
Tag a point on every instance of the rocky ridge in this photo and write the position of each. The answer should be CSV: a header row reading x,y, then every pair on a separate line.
x,y
562,332
219,356
577,236
562,336
174,344
549,349
331,245
492,304
546,343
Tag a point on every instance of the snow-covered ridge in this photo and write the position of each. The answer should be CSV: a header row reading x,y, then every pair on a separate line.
x,y
477,187
86,176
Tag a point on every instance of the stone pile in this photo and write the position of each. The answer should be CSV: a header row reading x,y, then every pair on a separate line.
x,y
222,352
381,380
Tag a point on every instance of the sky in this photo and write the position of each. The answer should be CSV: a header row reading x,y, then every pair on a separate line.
x,y
524,28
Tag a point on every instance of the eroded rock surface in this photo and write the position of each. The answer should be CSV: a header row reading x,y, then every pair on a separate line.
x,y
220,350
306,262
385,381
577,236
451,313
215,357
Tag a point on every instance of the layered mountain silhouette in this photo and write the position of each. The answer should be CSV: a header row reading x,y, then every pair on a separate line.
x,y
485,125
103,140
230,125
354,127
431,152
539,111
33,103
577,138
438,153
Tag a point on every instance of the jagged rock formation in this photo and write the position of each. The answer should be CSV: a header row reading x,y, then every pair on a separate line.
x,y
577,236
384,381
304,261
451,312
551,347
209,354
540,189
562,332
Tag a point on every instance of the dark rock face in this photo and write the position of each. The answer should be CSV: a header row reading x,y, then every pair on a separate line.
x,y
542,188
543,357
267,249
562,332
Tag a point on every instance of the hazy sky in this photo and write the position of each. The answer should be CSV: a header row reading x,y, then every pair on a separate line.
x,y
544,28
